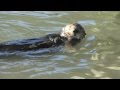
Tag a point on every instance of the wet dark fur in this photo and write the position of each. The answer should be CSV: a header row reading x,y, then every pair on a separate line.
x,y
51,40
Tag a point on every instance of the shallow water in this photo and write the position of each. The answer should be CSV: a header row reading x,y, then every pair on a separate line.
x,y
97,56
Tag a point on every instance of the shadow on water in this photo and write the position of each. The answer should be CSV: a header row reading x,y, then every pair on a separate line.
x,y
42,53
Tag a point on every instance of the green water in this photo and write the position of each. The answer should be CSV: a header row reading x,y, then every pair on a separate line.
x,y
97,56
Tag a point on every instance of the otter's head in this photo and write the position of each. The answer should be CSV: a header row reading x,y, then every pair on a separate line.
x,y
73,31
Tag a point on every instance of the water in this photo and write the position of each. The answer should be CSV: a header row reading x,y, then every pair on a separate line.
x,y
97,56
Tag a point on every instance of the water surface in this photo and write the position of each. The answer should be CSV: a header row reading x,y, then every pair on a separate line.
x,y
97,56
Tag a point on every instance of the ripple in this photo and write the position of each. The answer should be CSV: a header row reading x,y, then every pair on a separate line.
x,y
91,38
96,57
30,54
39,14
87,22
56,71
20,23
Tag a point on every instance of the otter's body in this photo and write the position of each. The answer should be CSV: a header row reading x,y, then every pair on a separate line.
x,y
72,34
51,40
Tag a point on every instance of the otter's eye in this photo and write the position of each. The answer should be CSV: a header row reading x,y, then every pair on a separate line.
x,y
75,31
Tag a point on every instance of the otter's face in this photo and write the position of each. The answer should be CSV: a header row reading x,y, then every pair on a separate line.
x,y
73,31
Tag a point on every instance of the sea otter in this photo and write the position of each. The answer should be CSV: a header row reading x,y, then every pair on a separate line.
x,y
71,33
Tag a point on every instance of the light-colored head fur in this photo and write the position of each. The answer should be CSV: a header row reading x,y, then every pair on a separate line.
x,y
72,31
